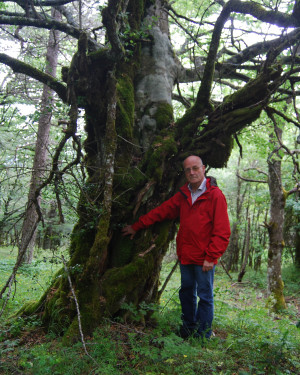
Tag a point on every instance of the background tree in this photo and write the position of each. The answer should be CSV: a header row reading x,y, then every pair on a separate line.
x,y
231,256
275,221
134,147
32,215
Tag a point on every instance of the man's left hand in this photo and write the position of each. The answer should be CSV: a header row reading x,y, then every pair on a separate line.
x,y
207,266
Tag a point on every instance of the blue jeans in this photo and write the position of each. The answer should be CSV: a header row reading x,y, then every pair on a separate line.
x,y
196,283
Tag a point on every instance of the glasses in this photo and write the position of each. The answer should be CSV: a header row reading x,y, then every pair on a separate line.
x,y
194,169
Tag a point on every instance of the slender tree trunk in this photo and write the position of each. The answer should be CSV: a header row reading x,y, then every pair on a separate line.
x,y
275,230
4,233
247,252
231,257
3,221
244,245
232,251
297,240
51,238
297,248
31,218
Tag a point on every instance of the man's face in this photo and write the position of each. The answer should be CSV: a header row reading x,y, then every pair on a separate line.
x,y
194,171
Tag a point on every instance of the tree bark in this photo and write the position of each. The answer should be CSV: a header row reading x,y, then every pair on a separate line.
x,y
275,230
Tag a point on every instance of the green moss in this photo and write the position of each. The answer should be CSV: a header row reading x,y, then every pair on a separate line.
x,y
28,308
91,313
100,55
131,179
276,301
127,283
162,146
221,154
122,250
163,235
126,105
135,10
124,120
163,115
119,283
127,181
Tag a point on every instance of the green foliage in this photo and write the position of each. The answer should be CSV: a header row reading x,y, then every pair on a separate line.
x,y
137,314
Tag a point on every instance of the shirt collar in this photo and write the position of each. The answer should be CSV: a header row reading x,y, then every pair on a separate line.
x,y
201,187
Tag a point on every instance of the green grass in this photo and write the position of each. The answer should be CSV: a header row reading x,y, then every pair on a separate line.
x,y
249,339
31,281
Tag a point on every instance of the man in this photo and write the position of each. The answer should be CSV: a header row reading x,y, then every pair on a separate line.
x,y
202,238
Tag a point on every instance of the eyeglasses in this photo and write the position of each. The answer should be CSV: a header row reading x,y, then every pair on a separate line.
x,y
194,169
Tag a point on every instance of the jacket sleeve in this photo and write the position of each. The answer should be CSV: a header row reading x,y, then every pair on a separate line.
x,y
221,228
167,210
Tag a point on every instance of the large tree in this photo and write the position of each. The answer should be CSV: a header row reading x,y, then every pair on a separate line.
x,y
134,146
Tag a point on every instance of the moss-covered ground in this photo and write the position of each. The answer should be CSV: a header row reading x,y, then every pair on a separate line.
x,y
248,338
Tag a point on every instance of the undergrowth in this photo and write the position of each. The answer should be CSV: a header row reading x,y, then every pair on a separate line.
x,y
249,339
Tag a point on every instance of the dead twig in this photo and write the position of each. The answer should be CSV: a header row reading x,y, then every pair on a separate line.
x,y
78,310
147,251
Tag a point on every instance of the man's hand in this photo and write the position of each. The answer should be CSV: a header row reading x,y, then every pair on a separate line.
x,y
128,231
207,266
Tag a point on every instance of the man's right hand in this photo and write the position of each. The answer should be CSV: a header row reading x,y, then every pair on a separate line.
x,y
128,231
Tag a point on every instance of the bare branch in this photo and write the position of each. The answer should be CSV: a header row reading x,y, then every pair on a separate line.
x,y
256,169
284,116
251,180
279,139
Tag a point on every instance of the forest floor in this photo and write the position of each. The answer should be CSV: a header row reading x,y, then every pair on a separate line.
x,y
248,337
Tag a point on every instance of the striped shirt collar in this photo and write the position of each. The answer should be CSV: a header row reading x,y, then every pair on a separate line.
x,y
196,194
201,187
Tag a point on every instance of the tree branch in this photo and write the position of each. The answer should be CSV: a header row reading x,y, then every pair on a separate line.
x,y
262,47
23,68
109,19
284,116
279,139
46,24
50,3
206,83
256,169
273,17
251,180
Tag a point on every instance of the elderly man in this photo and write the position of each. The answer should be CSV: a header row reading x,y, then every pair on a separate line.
x,y
202,238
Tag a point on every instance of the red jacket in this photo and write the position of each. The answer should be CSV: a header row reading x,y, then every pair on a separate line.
x,y
204,229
